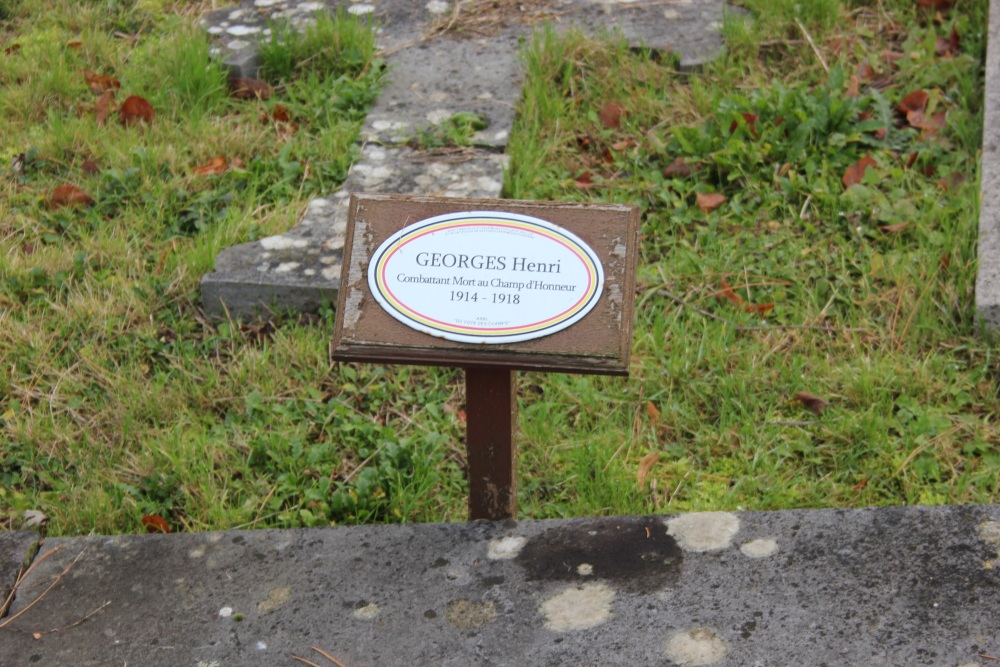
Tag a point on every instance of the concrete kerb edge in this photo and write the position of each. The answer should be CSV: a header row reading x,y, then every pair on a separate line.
x,y
988,274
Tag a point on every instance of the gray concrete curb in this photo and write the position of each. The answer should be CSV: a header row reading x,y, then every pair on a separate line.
x,y
889,586
988,277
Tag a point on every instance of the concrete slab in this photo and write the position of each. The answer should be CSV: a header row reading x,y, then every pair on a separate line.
x,y
890,586
988,277
17,548
301,268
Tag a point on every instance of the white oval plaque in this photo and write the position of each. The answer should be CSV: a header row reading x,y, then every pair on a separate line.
x,y
486,277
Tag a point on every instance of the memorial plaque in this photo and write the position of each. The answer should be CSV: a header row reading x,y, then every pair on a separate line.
x,y
488,283
492,287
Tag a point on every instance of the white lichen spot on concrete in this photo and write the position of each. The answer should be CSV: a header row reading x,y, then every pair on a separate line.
x,y
361,9
671,14
505,548
240,30
225,612
286,267
761,548
203,663
695,647
329,259
585,569
989,532
311,6
704,531
238,45
197,552
438,116
437,6
309,272
489,185
267,3
235,15
282,243
367,613
214,30
382,125
578,608
276,598
469,615
261,646
331,273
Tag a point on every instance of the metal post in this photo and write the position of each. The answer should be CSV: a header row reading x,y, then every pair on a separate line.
x,y
491,422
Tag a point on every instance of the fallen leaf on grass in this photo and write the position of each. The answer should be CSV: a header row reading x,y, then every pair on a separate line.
x,y
100,83
950,182
930,125
155,524
679,168
90,167
134,110
856,171
34,518
216,165
949,47
728,294
104,107
936,5
12,49
74,44
915,101
585,181
894,229
709,201
853,87
814,404
645,467
69,195
244,88
759,308
751,122
652,410
611,115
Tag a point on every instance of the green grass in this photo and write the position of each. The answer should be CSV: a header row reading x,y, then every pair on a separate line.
x,y
119,400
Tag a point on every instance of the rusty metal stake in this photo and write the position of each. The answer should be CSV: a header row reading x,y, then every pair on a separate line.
x,y
491,422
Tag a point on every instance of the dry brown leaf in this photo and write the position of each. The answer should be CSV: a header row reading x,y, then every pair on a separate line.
x,y
728,294
155,524
12,49
74,44
623,144
104,107
894,229
585,181
69,195
751,122
611,115
853,87
856,171
709,201
679,168
951,182
244,88
759,308
90,167
915,101
100,83
951,46
134,110
652,411
814,404
216,165
936,5
645,467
